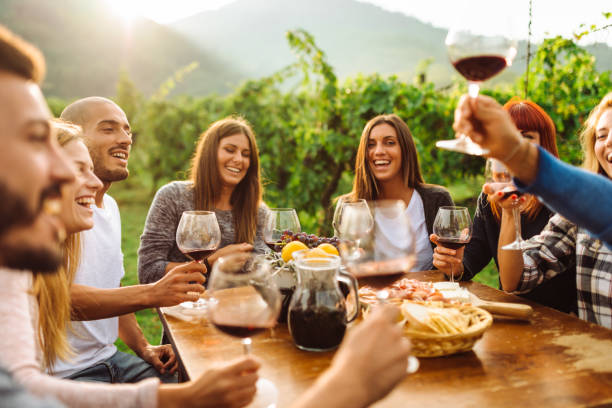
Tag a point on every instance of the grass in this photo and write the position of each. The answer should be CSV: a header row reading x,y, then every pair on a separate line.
x,y
134,203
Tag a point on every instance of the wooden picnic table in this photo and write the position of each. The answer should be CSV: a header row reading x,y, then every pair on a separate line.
x,y
554,360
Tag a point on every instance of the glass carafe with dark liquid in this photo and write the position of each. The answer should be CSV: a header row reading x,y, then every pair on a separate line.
x,y
318,310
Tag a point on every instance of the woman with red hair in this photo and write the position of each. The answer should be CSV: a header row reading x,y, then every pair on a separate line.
x,y
558,293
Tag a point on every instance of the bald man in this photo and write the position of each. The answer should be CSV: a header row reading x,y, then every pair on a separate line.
x,y
108,137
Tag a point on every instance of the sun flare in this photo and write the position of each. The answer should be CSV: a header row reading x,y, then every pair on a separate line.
x,y
127,10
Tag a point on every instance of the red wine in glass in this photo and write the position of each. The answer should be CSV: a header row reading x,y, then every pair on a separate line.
x,y
241,331
198,236
198,255
453,243
480,68
275,246
477,57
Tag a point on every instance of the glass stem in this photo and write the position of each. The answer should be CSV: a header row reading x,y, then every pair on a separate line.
x,y
246,346
473,89
517,223
452,277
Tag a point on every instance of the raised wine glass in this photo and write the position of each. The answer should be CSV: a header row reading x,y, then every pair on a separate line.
x,y
244,300
453,226
338,212
278,222
197,236
477,56
497,172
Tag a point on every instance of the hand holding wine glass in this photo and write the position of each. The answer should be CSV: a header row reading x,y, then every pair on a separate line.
x,y
453,227
499,178
197,236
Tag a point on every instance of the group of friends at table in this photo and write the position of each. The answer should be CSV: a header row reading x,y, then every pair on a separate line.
x,y
61,263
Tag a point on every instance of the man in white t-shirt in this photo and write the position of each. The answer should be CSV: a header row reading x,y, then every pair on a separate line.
x,y
96,292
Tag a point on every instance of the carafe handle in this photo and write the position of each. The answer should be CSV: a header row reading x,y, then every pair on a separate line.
x,y
351,282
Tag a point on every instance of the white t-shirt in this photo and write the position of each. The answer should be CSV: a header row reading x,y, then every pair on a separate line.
x,y
393,236
101,266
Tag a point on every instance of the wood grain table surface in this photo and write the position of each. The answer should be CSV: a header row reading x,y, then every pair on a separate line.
x,y
554,360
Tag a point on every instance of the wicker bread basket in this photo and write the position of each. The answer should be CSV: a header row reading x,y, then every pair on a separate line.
x,y
427,344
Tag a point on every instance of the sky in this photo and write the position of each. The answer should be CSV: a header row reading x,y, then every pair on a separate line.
x,y
550,17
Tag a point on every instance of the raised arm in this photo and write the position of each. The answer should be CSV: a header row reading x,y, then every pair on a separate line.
x,y
562,187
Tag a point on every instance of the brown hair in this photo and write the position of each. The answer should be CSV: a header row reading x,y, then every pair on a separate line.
x,y
529,116
204,174
52,291
20,57
587,136
365,185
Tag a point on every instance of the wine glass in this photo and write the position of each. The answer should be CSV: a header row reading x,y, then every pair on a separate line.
x,y
355,224
453,227
244,301
279,222
197,237
338,212
378,238
497,172
477,56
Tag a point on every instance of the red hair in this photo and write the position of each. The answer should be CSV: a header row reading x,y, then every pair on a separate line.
x,y
529,116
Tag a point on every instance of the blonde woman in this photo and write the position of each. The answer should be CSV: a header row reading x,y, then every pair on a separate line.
x,y
37,336
225,178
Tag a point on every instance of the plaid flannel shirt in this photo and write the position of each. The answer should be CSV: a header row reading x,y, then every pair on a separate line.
x,y
565,248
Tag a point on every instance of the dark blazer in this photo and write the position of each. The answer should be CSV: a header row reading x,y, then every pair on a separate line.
x,y
433,197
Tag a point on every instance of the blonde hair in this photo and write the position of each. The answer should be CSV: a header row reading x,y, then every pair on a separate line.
x,y
52,290
204,175
587,137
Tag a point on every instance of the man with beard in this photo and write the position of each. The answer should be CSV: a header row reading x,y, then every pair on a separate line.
x,y
107,133
32,170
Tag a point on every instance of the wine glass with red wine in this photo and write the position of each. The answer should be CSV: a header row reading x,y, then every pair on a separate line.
x,y
244,301
280,221
197,237
496,172
477,57
453,226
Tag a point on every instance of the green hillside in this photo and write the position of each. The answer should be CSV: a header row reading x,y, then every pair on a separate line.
x,y
357,38
86,46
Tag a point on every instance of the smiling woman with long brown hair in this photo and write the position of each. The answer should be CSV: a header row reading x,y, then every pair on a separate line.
x,y
224,178
387,167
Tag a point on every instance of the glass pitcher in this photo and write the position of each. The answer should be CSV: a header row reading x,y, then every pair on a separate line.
x,y
318,310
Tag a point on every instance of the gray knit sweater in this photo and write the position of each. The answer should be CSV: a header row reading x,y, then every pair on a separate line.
x,y
158,241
